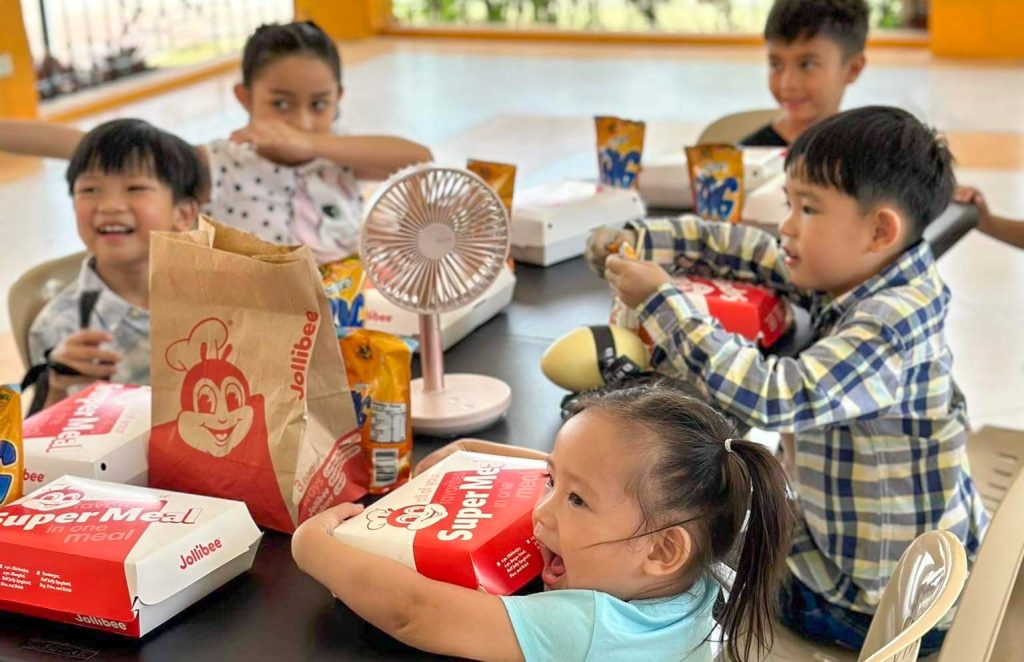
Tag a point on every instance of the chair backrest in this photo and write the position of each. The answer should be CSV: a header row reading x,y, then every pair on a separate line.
x,y
995,592
30,293
733,128
925,585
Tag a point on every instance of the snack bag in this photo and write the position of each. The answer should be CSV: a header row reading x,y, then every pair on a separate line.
x,y
502,178
379,369
12,449
499,176
343,283
620,144
621,314
716,175
250,400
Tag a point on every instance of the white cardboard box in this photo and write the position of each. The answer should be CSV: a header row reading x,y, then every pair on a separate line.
x,y
551,223
100,432
381,315
118,558
664,181
468,520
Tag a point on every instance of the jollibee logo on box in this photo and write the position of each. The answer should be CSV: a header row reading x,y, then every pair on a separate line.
x,y
466,521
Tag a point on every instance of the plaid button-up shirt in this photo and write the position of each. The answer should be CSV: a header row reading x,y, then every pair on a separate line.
x,y
880,426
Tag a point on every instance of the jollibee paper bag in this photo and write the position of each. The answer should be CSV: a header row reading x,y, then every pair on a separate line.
x,y
250,399
468,520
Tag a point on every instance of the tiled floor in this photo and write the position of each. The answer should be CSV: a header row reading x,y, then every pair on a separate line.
x,y
531,105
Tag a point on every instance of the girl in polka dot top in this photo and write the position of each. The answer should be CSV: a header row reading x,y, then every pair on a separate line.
x,y
285,177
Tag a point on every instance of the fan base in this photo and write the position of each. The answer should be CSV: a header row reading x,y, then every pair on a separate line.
x,y
468,403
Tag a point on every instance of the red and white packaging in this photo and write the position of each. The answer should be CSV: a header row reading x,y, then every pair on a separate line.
x,y
752,311
468,520
118,558
100,432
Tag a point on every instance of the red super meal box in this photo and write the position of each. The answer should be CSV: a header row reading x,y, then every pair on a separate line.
x,y
468,520
754,312
118,558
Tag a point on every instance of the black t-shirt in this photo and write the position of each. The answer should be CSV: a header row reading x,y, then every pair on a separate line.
x,y
766,136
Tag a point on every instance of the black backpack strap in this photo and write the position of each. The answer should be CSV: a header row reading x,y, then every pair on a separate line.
x,y
87,304
39,375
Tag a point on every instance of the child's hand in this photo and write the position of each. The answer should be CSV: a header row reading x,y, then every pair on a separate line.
x,y
598,243
634,281
277,140
969,195
82,352
331,518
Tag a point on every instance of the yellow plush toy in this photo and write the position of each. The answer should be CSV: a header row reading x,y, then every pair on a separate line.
x,y
575,361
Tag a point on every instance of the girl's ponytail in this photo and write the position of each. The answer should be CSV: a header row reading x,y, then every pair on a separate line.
x,y
752,476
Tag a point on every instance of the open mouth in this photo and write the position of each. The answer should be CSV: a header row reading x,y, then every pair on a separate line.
x,y
220,435
791,259
554,566
114,229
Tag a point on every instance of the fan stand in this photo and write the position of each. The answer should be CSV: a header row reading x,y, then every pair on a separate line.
x,y
446,405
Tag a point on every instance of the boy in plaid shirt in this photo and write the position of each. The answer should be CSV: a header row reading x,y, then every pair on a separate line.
x,y
879,425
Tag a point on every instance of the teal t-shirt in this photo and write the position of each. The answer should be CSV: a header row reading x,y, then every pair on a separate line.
x,y
575,625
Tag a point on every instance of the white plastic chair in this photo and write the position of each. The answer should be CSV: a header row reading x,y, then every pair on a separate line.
x,y
924,586
735,127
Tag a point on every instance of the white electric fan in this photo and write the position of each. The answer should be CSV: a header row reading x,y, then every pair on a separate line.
x,y
433,240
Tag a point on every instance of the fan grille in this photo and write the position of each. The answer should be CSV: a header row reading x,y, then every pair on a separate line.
x,y
434,238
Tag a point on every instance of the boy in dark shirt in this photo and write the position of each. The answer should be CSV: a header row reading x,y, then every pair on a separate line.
x,y
815,49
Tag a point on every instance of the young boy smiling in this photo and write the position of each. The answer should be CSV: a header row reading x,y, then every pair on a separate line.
x,y
815,49
879,424
127,179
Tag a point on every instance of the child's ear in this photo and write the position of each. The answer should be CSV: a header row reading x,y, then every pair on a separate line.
x,y
669,552
854,66
244,97
185,214
890,228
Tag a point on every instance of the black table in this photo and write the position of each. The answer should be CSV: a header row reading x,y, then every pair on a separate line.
x,y
274,612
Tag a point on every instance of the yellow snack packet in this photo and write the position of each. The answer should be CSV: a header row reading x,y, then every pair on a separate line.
x,y
716,176
620,144
379,369
499,176
502,178
343,282
12,448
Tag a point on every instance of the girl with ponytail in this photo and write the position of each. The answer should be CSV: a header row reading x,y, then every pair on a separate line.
x,y
648,496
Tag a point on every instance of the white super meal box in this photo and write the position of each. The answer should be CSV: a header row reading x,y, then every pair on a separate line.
x,y
468,520
100,432
118,558
551,223
664,181
379,314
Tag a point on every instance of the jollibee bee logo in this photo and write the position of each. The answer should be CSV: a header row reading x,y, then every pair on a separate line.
x,y
55,499
414,518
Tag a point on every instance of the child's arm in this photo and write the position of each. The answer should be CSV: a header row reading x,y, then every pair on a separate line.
x,y
33,138
997,227
853,372
421,612
370,157
731,251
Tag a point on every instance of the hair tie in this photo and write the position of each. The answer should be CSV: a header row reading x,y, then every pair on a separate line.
x,y
728,446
